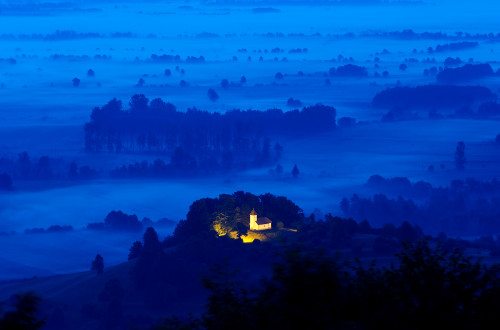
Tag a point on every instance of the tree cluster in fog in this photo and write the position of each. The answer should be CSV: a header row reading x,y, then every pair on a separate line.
x,y
230,210
432,96
348,70
454,46
463,208
157,127
465,73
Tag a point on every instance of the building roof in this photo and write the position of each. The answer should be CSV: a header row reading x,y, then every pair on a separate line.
x,y
253,212
263,221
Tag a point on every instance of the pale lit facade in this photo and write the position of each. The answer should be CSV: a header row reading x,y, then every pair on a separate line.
x,y
259,223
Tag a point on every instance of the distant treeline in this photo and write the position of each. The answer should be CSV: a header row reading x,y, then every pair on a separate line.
x,y
9,60
51,229
467,207
465,73
454,46
157,127
348,70
119,221
43,168
288,2
78,58
59,35
432,96
176,58
64,35
412,35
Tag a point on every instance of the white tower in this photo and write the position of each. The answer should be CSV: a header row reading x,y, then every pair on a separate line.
x,y
253,220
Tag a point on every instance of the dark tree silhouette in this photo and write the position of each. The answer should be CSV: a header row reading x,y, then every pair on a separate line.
x,y
23,316
135,250
117,220
212,95
278,76
278,150
98,264
167,73
140,83
460,159
293,103
428,285
138,104
151,242
241,229
295,171
90,73
76,82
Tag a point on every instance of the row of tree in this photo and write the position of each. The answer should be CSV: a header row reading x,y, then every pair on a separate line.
x,y
157,127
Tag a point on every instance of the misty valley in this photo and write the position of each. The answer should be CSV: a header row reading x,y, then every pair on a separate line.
x,y
220,164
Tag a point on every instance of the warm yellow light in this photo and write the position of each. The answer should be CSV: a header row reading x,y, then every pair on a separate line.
x,y
251,236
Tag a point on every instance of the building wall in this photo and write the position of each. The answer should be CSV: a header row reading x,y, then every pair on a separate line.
x,y
262,227
253,222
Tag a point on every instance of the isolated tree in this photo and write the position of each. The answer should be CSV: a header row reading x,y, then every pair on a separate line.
x,y
278,76
135,250
278,150
212,95
403,67
76,82
295,171
224,83
140,83
167,73
243,79
98,264
460,159
151,244
90,73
